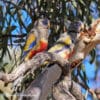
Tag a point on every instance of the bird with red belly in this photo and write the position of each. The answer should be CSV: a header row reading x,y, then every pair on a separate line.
x,y
37,39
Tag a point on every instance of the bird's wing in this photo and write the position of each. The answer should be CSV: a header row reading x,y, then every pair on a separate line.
x,y
30,43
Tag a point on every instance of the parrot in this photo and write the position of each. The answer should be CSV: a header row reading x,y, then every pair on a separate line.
x,y
37,39
75,28
65,44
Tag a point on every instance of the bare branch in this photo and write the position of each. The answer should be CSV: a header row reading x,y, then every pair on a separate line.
x,y
86,42
16,36
33,64
67,90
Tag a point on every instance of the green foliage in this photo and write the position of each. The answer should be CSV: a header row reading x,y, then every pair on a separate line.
x,y
93,56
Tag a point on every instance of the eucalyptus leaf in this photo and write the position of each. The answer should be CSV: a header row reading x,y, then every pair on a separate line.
x,y
93,56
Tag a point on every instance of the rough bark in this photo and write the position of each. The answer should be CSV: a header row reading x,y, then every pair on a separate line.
x,y
41,87
32,65
67,89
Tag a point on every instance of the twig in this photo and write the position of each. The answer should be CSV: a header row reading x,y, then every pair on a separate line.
x,y
16,36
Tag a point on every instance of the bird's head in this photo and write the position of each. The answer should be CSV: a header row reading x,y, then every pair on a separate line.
x,y
43,23
42,27
75,28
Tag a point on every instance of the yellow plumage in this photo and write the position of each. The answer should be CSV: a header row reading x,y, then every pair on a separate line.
x,y
63,47
31,39
37,39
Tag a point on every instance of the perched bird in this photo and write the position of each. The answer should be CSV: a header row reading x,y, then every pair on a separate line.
x,y
37,39
65,44
75,28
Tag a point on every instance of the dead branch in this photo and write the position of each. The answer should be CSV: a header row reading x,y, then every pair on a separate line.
x,y
22,35
32,64
86,42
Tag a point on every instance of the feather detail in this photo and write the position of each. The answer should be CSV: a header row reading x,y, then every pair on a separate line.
x,y
31,42
42,46
37,40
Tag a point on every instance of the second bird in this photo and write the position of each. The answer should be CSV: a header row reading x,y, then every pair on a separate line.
x,y
37,39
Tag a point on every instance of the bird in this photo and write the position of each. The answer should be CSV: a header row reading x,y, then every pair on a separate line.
x,y
37,39
74,28
66,42
63,46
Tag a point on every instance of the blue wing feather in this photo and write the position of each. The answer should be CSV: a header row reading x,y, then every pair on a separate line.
x,y
30,43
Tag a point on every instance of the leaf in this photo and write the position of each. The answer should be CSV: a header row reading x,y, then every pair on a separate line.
x,y
8,67
84,72
82,2
19,40
82,67
93,56
74,3
83,76
11,28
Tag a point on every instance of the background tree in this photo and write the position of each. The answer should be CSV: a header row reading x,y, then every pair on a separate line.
x,y
17,18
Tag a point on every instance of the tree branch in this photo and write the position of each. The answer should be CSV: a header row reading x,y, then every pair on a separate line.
x,y
41,87
67,90
86,42
16,36
32,65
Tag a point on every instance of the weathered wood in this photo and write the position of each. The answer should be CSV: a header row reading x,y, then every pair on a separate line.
x,y
67,89
41,87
